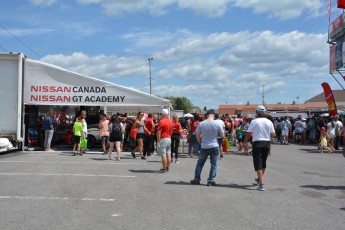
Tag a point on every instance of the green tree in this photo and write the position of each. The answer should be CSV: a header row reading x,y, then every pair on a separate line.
x,y
180,103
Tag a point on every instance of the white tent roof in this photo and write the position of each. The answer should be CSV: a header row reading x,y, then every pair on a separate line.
x,y
46,84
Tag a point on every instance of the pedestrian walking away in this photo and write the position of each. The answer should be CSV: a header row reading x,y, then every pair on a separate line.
x,y
175,138
262,130
210,130
115,139
104,133
149,134
164,132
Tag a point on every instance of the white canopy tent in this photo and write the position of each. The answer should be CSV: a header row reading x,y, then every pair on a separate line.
x,y
46,84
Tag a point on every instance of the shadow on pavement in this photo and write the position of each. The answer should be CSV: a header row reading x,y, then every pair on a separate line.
x,y
311,150
99,159
342,209
323,187
143,171
246,187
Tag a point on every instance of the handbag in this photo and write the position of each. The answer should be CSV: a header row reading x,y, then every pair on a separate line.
x,y
83,143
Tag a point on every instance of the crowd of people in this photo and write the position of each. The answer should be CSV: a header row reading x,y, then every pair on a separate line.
x,y
207,135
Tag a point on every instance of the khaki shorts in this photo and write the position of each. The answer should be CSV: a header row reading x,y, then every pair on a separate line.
x,y
164,147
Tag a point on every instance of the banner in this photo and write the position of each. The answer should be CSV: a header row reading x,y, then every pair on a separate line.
x,y
341,4
45,84
332,108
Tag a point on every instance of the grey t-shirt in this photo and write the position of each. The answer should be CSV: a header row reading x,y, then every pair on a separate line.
x,y
210,130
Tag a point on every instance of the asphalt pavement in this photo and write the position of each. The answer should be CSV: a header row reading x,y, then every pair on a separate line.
x,y
54,190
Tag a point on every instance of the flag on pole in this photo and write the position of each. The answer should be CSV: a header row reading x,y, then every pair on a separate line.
x,y
332,108
341,4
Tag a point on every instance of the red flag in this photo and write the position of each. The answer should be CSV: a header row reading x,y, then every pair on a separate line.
x,y
332,108
341,4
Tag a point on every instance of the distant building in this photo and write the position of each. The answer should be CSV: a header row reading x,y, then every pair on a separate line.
x,y
339,96
316,104
296,108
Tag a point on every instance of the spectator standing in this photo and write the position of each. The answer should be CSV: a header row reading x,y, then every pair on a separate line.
x,y
149,134
164,132
298,129
331,133
286,127
83,121
210,131
116,130
77,135
193,145
175,138
48,130
244,133
304,130
338,132
262,130
104,133
321,123
139,123
323,140
220,139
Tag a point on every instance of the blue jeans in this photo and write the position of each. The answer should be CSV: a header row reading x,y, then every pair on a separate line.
x,y
204,153
196,146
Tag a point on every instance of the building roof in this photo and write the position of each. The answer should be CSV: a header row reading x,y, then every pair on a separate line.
x,y
339,96
251,108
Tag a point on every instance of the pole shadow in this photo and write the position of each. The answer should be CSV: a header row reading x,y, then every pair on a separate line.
x,y
324,187
143,171
235,186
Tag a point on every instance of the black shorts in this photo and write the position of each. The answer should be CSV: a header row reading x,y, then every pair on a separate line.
x,y
261,150
140,136
76,139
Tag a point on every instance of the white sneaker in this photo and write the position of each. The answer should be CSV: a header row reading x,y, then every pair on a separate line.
x,y
177,161
261,187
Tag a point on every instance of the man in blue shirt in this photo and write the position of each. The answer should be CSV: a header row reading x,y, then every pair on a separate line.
x,y
210,130
48,131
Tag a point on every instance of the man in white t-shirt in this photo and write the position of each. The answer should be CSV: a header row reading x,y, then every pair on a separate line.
x,y
338,131
262,130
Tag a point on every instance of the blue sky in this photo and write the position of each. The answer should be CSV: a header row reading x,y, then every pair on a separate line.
x,y
212,52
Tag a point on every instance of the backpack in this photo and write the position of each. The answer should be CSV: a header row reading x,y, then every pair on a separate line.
x,y
116,132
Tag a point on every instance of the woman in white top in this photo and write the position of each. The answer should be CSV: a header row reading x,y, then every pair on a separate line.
x,y
331,133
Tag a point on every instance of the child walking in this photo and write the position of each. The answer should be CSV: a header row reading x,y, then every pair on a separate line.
x,y
323,140
78,133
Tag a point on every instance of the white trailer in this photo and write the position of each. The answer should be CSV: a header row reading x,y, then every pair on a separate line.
x,y
11,101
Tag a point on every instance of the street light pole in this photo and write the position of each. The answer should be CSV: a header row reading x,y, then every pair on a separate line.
x,y
150,59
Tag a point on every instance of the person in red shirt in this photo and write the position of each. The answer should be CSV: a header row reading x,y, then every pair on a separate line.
x,y
149,134
164,132
175,138
193,144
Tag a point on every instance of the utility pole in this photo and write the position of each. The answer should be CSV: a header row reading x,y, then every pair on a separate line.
x,y
263,94
150,59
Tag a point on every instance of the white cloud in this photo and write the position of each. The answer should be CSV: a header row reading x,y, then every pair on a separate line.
x,y
42,3
284,9
215,68
99,66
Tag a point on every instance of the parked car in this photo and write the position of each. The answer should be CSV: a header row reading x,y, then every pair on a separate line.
x,y
93,137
